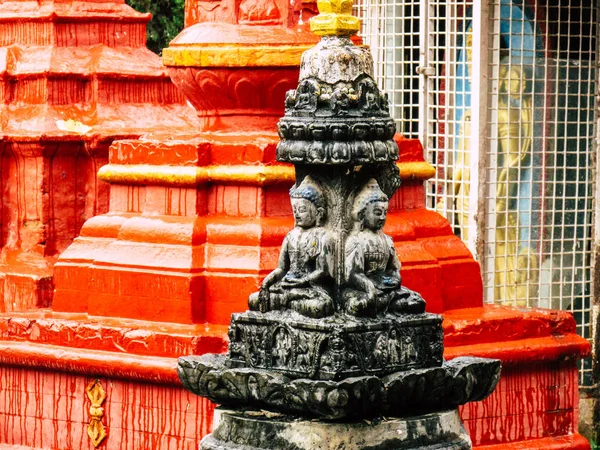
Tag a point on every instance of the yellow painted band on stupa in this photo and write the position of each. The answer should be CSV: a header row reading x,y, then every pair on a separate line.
x,y
145,174
234,56
420,170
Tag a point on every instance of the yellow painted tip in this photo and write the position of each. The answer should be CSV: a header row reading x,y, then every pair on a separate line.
x,y
335,19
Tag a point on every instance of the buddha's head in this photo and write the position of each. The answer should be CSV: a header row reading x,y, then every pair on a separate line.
x,y
370,207
308,204
513,80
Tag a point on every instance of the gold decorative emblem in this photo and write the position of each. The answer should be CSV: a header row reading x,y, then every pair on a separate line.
x,y
97,395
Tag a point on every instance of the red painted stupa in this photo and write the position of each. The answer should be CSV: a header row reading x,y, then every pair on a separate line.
x,y
195,221
74,76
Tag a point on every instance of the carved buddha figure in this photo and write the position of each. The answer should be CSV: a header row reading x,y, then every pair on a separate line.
x,y
302,280
368,95
373,282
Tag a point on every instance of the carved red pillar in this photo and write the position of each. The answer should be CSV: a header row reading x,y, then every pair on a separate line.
x,y
73,77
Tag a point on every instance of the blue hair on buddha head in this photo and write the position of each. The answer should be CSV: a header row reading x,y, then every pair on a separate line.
x,y
309,190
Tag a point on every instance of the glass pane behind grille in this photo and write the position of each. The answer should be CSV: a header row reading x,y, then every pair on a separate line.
x,y
540,209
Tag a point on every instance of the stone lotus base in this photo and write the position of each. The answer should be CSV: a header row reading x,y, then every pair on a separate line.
x,y
257,430
411,392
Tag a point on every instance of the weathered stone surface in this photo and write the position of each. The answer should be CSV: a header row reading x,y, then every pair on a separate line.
x,y
403,393
254,430
337,114
332,152
336,347
336,59
459,381
332,332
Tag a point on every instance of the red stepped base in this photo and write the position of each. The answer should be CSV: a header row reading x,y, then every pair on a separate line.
x,y
51,357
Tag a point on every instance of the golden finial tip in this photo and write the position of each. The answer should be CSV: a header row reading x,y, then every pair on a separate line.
x,y
335,19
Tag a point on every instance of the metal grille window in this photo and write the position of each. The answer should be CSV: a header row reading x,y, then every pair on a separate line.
x,y
506,104
448,70
539,211
391,29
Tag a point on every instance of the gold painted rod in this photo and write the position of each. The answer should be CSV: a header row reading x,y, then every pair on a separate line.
x,y
184,176
418,170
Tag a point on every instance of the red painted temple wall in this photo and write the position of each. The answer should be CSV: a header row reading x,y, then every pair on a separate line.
x,y
42,409
534,406
74,76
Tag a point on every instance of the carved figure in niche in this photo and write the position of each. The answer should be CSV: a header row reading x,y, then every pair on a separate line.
x,y
342,98
235,345
394,350
515,262
385,102
307,94
368,95
410,350
337,348
380,353
256,349
302,280
302,358
373,282
282,348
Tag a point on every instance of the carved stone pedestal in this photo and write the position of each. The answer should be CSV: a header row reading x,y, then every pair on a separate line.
x,y
336,348
254,430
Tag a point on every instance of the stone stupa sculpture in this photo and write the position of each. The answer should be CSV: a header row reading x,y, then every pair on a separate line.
x,y
332,334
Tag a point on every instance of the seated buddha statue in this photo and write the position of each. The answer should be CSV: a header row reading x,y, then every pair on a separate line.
x,y
302,281
373,283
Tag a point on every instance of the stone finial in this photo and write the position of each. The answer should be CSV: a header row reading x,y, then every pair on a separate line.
x,y
335,19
